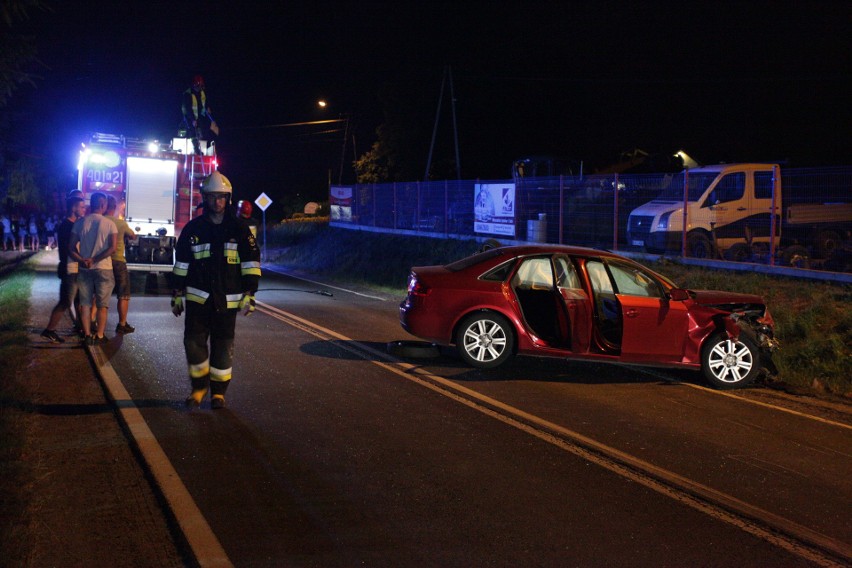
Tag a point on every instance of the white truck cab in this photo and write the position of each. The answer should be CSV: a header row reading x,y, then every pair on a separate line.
x,y
725,204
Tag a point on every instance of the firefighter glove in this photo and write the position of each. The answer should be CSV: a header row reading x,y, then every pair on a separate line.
x,y
247,304
177,305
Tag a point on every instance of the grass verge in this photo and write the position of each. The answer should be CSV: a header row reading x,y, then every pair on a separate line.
x,y
15,289
813,319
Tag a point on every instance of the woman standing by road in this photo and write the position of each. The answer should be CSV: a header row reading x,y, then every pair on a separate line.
x,y
33,229
22,233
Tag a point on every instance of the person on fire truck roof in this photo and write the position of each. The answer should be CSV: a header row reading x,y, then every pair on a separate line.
x,y
217,268
197,119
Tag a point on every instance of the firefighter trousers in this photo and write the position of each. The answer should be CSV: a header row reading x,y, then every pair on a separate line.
x,y
204,323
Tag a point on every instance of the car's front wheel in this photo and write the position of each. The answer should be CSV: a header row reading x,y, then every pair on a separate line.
x,y
730,363
485,340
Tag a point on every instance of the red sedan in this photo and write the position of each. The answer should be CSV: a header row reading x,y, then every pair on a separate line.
x,y
571,302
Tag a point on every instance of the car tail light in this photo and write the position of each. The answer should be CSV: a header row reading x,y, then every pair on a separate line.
x,y
417,288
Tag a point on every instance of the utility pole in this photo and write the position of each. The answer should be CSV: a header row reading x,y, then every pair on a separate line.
x,y
343,150
448,74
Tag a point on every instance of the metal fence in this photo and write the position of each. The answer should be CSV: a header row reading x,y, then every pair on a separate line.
x,y
595,210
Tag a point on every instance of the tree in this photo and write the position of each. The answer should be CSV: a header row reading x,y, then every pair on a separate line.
x,y
17,58
400,152
17,52
372,166
23,191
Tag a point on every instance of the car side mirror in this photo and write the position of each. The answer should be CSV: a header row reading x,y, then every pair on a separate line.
x,y
678,294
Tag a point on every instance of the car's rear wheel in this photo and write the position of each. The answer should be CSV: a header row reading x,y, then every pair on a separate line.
x,y
730,363
485,340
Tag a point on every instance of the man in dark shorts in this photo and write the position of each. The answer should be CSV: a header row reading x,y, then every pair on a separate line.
x,y
115,213
67,272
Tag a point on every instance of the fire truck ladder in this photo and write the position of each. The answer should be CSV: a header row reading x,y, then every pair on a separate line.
x,y
198,168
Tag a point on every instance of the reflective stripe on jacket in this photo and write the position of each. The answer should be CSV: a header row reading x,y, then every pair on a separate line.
x,y
191,107
216,262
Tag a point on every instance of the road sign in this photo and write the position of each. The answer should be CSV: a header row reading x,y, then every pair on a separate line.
x,y
263,201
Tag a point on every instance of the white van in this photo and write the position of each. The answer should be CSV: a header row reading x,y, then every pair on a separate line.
x,y
726,204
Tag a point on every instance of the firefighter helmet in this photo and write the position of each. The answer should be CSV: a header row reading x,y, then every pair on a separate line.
x,y
216,183
244,209
198,83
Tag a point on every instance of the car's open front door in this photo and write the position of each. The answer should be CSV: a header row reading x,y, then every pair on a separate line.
x,y
653,327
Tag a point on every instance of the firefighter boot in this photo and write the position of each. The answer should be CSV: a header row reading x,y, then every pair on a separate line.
x,y
199,389
217,389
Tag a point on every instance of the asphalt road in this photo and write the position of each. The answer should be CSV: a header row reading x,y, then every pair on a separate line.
x,y
332,454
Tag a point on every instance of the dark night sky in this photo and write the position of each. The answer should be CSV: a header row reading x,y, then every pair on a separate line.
x,y
726,81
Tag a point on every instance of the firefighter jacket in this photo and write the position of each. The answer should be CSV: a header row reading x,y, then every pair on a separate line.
x,y
194,106
216,263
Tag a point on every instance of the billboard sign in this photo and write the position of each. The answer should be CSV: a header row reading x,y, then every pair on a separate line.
x,y
494,209
340,204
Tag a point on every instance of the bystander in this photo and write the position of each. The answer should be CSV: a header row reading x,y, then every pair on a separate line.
x,y
96,237
115,213
6,227
67,272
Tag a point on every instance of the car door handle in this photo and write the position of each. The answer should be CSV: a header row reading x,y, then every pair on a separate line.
x,y
631,313
742,209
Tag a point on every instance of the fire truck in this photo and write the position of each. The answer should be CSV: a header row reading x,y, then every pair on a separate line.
x,y
160,184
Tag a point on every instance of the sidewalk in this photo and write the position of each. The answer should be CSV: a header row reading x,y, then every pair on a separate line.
x,y
88,502
9,258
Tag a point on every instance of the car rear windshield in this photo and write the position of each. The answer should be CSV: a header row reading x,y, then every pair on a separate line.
x,y
474,259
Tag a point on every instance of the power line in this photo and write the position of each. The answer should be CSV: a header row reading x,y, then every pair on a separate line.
x,y
307,123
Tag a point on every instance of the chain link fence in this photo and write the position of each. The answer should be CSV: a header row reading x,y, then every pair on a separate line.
x,y
799,217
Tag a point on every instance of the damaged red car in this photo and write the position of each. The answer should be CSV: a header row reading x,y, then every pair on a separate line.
x,y
579,303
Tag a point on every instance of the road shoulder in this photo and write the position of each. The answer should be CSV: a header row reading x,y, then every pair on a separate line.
x,y
87,500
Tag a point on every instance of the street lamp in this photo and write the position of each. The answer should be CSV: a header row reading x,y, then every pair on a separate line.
x,y
323,104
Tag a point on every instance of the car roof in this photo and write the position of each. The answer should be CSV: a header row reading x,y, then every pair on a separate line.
x,y
500,254
527,250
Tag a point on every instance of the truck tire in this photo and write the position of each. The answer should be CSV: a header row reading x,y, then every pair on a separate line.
x,y
738,252
698,245
490,244
827,242
796,256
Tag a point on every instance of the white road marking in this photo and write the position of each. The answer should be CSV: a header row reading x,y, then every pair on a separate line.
x,y
740,398
206,548
779,531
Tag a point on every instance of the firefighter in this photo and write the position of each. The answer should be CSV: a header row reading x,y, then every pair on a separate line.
x,y
198,121
244,211
216,271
